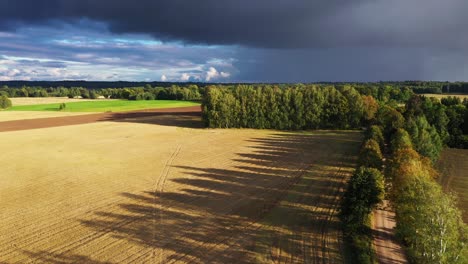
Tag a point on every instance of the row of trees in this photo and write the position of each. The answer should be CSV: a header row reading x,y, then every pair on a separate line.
x,y
366,189
291,108
188,93
428,220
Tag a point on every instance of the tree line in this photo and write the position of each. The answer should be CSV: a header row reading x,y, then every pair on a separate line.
x,y
174,92
366,189
290,108
428,221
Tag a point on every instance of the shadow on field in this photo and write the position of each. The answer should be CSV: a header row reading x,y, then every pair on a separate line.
x,y
274,204
53,258
189,118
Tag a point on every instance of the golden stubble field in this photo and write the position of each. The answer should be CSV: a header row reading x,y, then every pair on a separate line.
x,y
440,96
139,192
453,165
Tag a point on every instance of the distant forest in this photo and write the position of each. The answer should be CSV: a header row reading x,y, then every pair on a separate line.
x,y
418,87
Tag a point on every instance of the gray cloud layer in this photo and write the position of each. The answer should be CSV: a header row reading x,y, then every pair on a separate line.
x,y
264,23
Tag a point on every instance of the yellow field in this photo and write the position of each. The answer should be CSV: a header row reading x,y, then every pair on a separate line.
x,y
440,96
135,192
47,100
454,167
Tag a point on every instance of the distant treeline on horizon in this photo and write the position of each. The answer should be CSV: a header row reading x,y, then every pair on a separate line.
x,y
435,87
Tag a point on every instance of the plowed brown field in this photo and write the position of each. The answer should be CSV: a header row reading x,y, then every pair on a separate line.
x,y
155,189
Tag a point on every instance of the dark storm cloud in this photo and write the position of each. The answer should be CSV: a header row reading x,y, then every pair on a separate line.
x,y
263,23
338,64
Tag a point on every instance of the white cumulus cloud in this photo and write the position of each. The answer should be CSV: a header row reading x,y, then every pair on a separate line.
x,y
163,78
185,77
212,73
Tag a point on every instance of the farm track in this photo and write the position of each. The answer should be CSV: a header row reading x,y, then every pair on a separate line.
x,y
175,195
387,248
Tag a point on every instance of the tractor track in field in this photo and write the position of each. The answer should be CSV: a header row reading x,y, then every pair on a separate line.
x,y
38,123
158,190
176,203
319,242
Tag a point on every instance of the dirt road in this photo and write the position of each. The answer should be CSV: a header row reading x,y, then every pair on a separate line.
x,y
388,250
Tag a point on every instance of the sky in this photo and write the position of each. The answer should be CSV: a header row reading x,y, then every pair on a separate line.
x,y
234,40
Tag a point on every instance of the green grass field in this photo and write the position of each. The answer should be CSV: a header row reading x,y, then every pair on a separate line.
x,y
105,106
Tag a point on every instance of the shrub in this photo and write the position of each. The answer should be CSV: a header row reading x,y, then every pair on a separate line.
x,y
62,106
5,102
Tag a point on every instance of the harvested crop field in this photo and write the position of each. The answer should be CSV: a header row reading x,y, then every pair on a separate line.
x,y
440,96
453,165
153,189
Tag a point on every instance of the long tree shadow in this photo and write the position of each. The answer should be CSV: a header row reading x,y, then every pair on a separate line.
x,y
275,203
58,258
188,118
222,215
